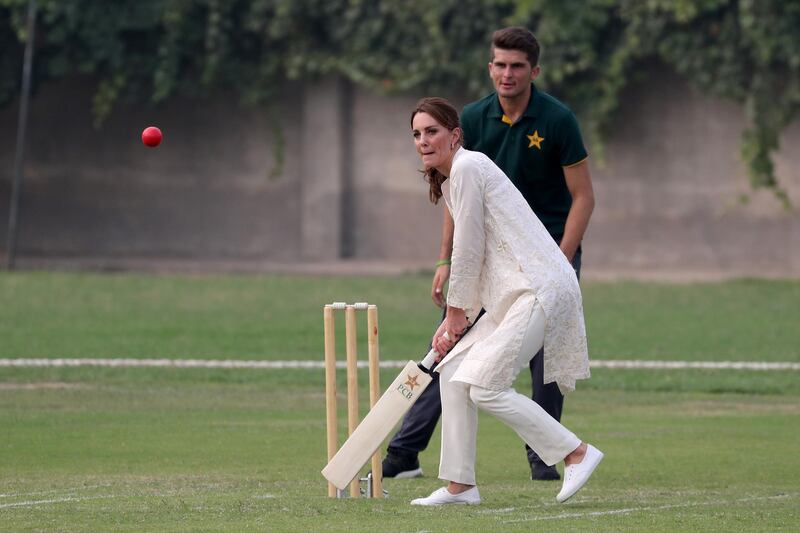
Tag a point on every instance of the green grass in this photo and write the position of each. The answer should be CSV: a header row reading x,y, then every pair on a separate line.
x,y
99,449
279,317
241,317
744,320
176,453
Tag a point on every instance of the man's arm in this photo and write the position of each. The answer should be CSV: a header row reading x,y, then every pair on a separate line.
x,y
445,251
579,183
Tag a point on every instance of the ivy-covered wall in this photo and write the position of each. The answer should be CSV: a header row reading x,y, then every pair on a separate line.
x,y
349,186
746,51
286,127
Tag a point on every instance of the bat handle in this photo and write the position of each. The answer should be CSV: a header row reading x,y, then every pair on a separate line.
x,y
429,360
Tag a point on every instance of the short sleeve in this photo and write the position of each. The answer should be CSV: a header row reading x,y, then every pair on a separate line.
x,y
570,140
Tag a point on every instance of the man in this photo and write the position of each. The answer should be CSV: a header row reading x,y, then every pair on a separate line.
x,y
536,141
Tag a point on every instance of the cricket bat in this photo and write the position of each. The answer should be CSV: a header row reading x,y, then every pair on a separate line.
x,y
379,422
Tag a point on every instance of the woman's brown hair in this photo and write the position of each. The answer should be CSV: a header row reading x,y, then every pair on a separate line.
x,y
445,114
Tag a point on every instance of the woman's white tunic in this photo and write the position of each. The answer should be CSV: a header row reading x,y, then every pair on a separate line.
x,y
503,260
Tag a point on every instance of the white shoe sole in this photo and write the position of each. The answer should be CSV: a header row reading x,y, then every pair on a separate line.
x,y
442,497
407,474
414,502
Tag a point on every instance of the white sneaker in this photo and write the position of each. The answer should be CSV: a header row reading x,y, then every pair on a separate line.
x,y
576,475
443,496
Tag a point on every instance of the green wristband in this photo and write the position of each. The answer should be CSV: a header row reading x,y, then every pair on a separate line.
x,y
442,262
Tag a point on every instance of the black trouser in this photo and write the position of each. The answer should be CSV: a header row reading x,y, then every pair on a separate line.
x,y
420,422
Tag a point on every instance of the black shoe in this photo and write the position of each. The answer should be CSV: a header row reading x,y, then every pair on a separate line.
x,y
542,472
401,466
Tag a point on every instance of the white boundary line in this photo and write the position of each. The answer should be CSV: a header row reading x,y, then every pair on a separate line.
x,y
57,500
39,492
666,365
630,510
314,365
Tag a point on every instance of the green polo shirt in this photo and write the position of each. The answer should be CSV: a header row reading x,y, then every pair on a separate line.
x,y
532,152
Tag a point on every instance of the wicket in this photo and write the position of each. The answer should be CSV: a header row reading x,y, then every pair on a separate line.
x,y
374,480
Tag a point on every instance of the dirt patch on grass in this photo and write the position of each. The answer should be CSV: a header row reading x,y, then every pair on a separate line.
x,y
712,408
43,385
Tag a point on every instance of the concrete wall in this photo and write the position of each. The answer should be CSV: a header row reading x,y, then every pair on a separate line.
x,y
668,190
394,218
205,192
349,187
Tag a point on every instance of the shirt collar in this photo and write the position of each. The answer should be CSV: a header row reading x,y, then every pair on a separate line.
x,y
532,111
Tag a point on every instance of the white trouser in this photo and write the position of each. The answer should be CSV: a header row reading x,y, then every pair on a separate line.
x,y
460,401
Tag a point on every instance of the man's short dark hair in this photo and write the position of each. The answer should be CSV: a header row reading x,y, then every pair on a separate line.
x,y
517,38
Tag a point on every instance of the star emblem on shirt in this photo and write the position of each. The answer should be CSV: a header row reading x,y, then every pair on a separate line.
x,y
535,140
412,382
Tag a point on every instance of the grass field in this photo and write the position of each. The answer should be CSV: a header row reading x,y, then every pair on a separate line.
x,y
133,449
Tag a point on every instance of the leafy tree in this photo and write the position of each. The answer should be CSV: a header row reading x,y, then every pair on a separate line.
x,y
747,51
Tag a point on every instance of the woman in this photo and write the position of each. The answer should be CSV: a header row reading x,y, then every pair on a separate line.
x,y
505,262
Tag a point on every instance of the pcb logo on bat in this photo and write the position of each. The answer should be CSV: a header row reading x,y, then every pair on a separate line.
x,y
407,388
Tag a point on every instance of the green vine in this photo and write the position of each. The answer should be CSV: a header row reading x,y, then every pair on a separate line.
x,y
747,51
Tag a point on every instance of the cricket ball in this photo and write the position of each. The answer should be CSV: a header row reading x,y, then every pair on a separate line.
x,y
151,136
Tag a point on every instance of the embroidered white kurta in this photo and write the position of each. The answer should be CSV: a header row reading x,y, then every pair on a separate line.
x,y
503,260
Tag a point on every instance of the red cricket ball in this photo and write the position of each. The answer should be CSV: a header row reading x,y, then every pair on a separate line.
x,y
151,136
